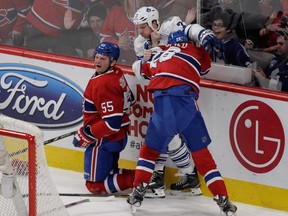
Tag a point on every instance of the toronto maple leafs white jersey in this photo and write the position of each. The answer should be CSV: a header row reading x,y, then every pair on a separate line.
x,y
171,24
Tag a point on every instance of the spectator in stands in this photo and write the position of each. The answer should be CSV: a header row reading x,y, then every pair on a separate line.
x,y
234,52
13,21
90,36
51,22
168,8
118,28
275,75
246,18
276,21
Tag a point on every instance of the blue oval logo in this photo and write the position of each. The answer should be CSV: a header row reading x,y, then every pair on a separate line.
x,y
40,96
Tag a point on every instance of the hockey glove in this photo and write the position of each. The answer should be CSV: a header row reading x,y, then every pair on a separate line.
x,y
83,138
209,41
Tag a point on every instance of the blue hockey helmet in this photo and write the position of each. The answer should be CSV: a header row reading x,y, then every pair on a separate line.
x,y
108,49
177,37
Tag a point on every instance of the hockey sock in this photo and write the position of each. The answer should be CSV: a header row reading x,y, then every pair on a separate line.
x,y
181,157
160,163
145,165
112,184
206,166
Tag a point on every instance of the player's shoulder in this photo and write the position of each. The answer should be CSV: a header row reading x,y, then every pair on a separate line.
x,y
173,21
171,24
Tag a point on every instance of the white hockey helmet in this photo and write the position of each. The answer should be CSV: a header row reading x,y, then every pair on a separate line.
x,y
147,15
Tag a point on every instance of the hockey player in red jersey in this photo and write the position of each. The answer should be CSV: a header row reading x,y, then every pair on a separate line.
x,y
175,72
152,34
13,21
106,107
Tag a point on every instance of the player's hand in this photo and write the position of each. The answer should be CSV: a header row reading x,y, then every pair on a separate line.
x,y
83,138
209,41
147,55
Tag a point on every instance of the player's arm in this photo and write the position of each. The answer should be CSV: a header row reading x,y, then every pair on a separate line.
x,y
110,107
206,37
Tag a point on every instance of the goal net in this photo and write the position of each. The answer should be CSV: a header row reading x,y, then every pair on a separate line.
x,y
26,187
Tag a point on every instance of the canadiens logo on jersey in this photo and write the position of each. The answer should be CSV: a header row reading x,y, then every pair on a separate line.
x,y
3,17
122,82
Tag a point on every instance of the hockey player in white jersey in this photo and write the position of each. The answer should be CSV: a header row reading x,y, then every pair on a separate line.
x,y
151,35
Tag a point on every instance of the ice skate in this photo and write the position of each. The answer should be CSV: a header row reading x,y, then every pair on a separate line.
x,y
156,186
225,205
136,197
189,183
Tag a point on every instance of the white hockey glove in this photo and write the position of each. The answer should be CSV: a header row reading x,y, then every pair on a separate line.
x,y
209,41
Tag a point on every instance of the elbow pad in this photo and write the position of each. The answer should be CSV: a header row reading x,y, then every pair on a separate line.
x,y
136,67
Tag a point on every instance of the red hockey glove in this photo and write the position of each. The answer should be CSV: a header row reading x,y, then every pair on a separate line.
x,y
83,138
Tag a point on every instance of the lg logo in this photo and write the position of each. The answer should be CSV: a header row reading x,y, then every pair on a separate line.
x,y
257,136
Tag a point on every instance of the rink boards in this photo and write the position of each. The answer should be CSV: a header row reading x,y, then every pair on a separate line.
x,y
248,126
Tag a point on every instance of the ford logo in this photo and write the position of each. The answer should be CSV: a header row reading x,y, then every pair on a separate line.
x,y
39,96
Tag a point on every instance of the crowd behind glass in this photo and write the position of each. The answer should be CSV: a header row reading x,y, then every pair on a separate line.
x,y
254,32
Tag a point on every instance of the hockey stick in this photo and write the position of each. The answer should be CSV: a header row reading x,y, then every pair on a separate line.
x,y
76,203
108,197
97,199
92,198
59,137
45,142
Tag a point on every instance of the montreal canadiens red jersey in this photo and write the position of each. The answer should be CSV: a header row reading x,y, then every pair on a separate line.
x,y
48,15
106,105
177,64
13,16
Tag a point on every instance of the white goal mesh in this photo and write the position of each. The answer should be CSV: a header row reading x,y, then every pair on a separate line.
x,y
35,193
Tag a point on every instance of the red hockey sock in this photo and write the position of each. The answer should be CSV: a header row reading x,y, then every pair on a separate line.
x,y
145,165
123,182
96,187
206,166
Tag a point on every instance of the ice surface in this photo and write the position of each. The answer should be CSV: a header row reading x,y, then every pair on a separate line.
x,y
73,182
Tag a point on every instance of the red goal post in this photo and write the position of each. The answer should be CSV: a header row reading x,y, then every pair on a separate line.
x,y
24,166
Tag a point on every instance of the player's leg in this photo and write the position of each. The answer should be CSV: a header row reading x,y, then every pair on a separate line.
x,y
8,178
197,139
159,134
214,181
101,168
189,180
143,174
156,187
9,186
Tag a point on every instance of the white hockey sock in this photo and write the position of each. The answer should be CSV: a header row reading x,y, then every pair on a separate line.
x,y
160,163
182,159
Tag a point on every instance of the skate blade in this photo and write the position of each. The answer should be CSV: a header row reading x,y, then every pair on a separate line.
x,y
133,209
187,192
230,213
155,193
